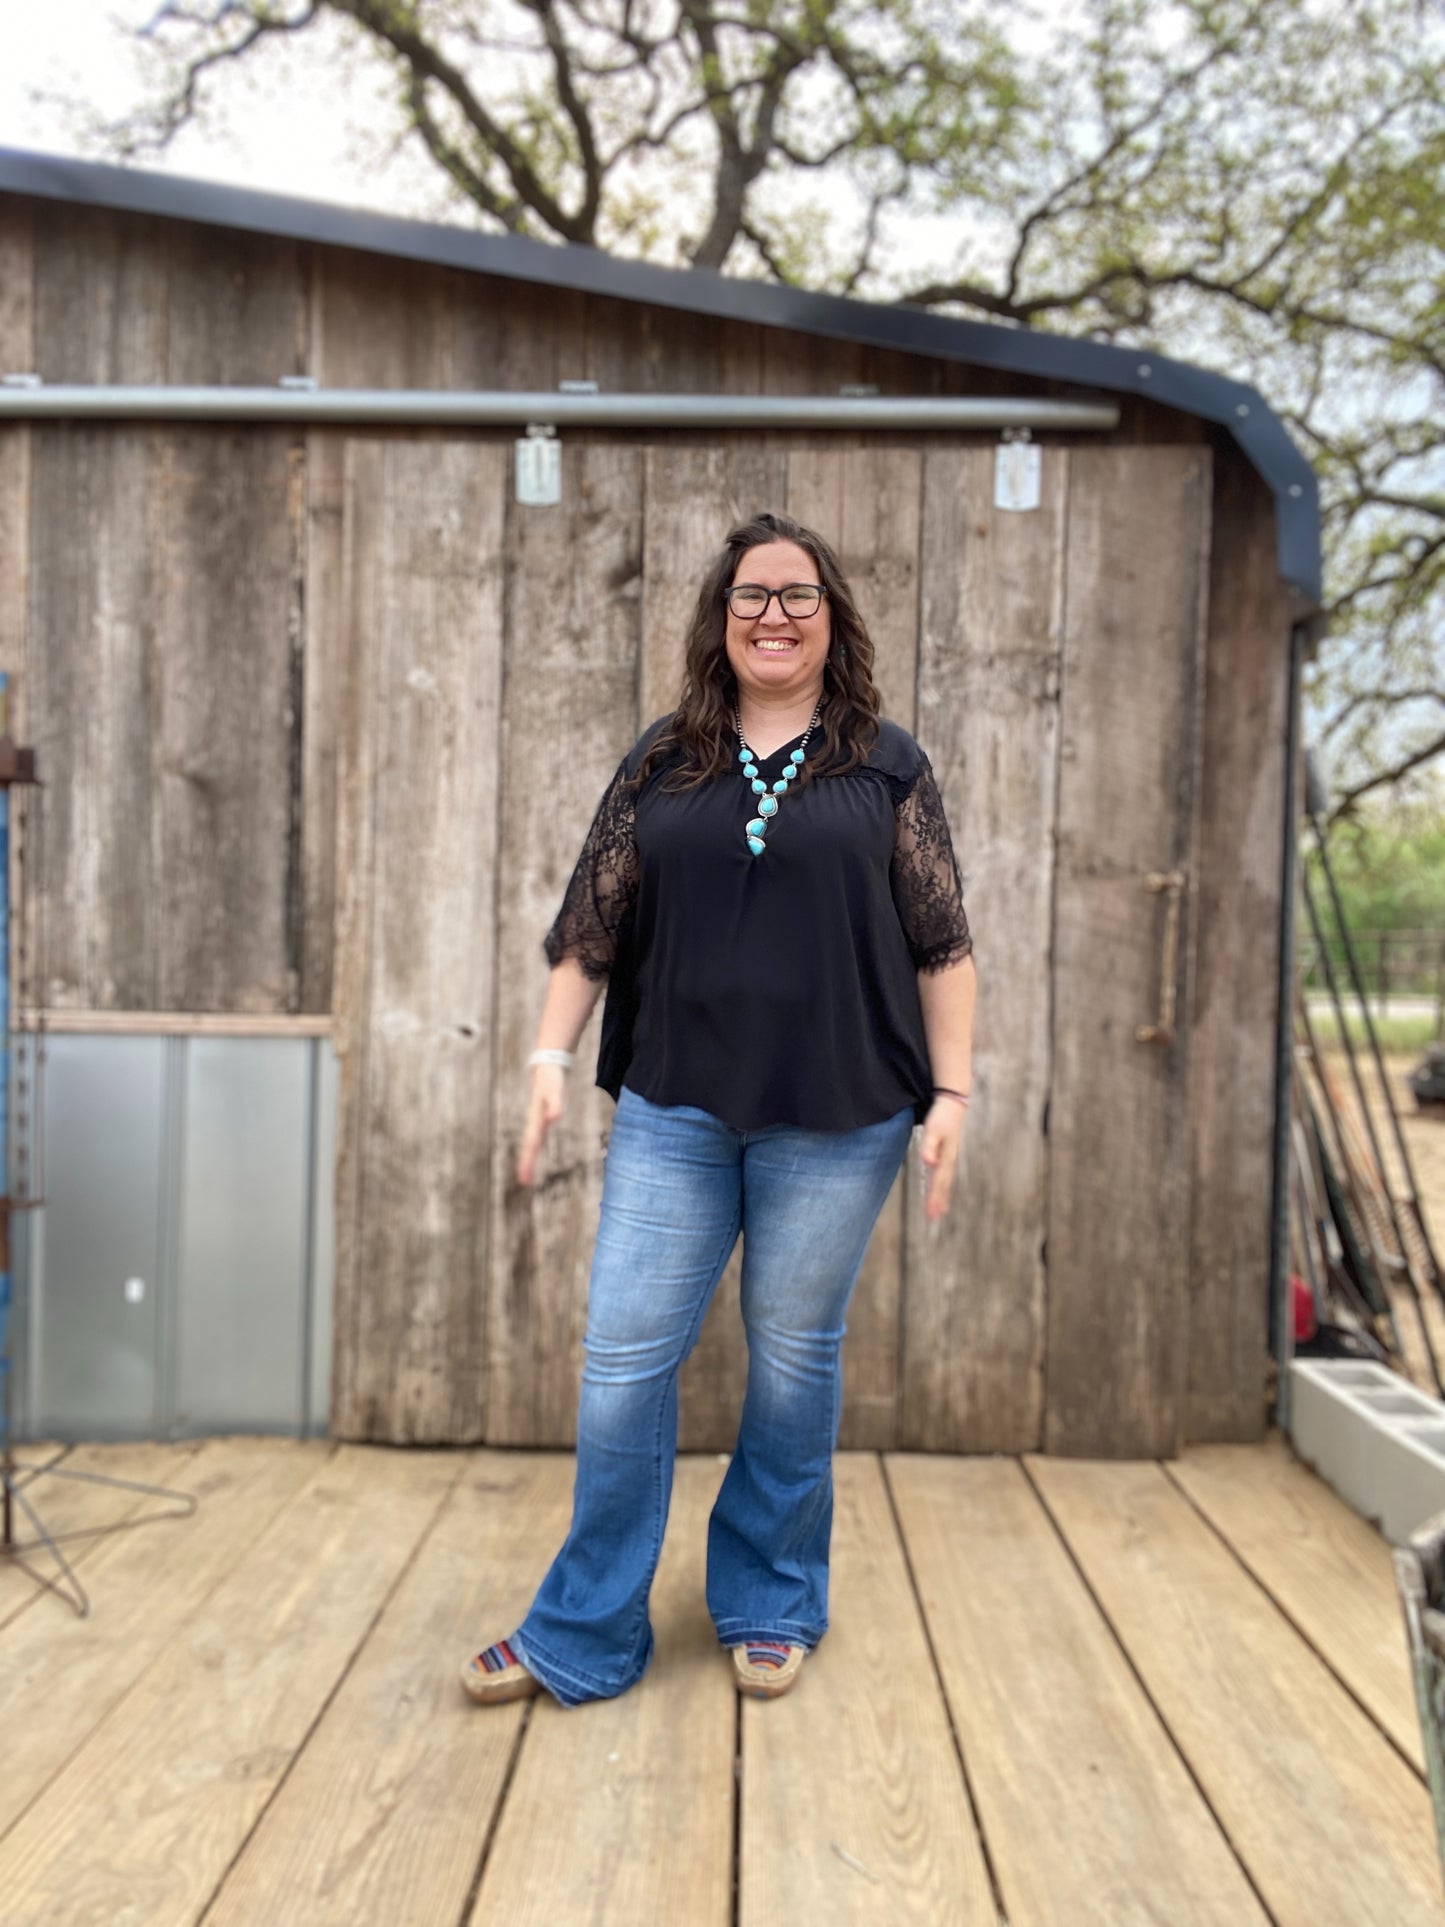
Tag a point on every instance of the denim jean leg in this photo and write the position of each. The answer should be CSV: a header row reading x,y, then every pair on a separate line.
x,y
670,1216
810,1202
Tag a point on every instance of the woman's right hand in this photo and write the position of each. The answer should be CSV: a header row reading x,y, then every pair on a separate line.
x,y
546,1104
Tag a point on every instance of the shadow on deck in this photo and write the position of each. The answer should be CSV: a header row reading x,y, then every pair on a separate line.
x,y
1053,1690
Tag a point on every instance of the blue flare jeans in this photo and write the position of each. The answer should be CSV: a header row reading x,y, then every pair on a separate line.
x,y
678,1187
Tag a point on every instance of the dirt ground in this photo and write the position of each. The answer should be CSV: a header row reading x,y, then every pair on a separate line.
x,y
1424,1135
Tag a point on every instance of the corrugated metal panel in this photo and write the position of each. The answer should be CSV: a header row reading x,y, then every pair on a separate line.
x,y
326,1083
178,1279
242,1235
94,1327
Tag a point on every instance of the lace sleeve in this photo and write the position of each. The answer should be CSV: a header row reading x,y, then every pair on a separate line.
x,y
603,888
926,885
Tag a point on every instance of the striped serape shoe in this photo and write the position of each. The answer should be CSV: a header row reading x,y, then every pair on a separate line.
x,y
496,1674
766,1668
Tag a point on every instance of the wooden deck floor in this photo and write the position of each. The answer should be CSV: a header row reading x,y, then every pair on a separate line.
x,y
1053,1691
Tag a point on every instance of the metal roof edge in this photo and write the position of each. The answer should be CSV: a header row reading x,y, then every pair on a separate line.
x,y
1234,405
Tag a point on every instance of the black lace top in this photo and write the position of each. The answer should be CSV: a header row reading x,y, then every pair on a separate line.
x,y
781,988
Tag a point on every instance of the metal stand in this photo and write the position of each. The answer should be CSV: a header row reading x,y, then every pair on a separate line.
x,y
17,766
1420,1576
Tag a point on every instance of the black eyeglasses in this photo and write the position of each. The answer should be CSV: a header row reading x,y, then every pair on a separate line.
x,y
750,599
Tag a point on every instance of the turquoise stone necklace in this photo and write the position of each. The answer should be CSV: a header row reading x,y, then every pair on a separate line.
x,y
769,799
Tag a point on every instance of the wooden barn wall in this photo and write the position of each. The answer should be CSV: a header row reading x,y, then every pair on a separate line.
x,y
271,664
17,355
1235,995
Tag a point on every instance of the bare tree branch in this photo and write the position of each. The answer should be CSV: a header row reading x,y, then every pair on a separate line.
x,y
1379,699
1386,778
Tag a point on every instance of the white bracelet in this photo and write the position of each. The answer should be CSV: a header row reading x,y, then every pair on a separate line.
x,y
562,1057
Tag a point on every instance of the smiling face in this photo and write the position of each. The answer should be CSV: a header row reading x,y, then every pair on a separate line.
x,y
777,657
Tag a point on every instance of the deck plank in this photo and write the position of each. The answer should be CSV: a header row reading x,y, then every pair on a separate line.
x,y
1326,1567
145,1818
72,1505
1088,1813
60,1675
1332,1824
853,1803
622,1810
384,1816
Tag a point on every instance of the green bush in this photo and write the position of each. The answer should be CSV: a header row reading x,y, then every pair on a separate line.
x,y
1389,872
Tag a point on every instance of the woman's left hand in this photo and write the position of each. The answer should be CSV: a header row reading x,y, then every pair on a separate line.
x,y
942,1139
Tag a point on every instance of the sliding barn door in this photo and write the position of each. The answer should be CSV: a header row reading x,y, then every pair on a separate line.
x,y
1131,692
1060,689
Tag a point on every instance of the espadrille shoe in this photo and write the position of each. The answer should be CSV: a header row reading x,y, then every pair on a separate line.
x,y
496,1674
766,1668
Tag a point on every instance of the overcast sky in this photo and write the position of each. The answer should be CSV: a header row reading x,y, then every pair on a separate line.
x,y
282,127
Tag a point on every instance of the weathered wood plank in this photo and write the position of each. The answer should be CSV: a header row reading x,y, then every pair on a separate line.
x,y
1119,1206
1088,1812
323,683
866,503
100,295
514,337
1332,1825
572,627
61,1676
357,763
635,349
15,568
236,306
694,497
17,356
162,711
121,297
853,1804
1231,1086
172,1023
1328,1569
17,288
93,694
227,720
414,1017
384,1815
372,327
641,1786
992,613
141,1813
800,364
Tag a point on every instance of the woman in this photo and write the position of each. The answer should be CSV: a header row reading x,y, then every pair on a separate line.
x,y
770,893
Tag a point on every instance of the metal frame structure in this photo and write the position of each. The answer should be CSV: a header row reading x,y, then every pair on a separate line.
x,y
28,398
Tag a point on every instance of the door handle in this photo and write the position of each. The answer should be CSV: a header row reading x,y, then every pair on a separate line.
x,y
1172,882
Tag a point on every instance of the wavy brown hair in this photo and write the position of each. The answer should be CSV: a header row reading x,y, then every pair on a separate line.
x,y
700,736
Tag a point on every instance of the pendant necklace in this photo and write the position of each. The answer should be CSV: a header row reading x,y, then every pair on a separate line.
x,y
768,800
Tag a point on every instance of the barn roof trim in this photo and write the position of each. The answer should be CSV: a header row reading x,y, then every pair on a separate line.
x,y
1233,405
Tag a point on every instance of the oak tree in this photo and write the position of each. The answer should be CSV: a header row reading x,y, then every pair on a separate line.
x,y
1255,185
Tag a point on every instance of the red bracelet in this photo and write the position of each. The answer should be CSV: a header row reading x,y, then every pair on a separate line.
x,y
942,1090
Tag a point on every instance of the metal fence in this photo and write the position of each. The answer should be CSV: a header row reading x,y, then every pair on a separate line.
x,y
1402,971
